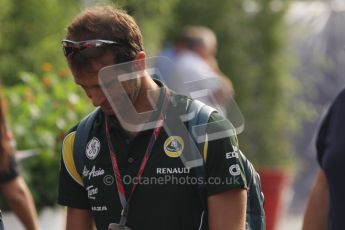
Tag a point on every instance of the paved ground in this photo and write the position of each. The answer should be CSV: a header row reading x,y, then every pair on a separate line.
x,y
291,223
54,220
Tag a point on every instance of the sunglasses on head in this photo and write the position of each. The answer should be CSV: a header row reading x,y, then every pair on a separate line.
x,y
70,48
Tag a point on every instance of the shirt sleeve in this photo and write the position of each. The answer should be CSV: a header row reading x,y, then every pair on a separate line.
x,y
331,129
71,191
224,161
11,173
322,136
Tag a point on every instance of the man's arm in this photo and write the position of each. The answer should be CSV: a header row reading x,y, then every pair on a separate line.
x,y
19,199
227,210
79,219
315,217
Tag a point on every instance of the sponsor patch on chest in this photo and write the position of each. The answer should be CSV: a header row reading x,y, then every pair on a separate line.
x,y
173,146
177,170
92,148
92,192
93,172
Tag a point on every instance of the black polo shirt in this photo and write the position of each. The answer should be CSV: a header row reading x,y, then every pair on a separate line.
x,y
331,157
167,196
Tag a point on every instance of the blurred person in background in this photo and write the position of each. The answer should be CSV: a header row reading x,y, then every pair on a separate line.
x,y
326,206
13,187
194,57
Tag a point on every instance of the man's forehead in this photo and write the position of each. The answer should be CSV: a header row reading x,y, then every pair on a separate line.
x,y
95,64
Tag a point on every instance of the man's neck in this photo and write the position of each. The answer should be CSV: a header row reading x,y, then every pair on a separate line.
x,y
148,96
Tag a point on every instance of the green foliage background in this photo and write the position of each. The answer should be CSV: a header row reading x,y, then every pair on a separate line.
x,y
44,102
30,35
43,108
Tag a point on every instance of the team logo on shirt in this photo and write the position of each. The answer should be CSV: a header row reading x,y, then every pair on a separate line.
x,y
92,148
173,146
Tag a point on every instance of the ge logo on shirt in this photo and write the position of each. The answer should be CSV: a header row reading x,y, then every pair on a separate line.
x,y
92,148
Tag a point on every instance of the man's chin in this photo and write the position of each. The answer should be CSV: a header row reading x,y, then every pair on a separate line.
x,y
108,111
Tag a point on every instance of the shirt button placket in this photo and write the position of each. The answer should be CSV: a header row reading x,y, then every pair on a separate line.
x,y
130,160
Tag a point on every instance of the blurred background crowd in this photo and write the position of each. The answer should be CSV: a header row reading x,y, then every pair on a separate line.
x,y
285,59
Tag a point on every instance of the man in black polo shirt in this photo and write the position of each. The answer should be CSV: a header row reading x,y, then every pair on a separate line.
x,y
136,179
326,205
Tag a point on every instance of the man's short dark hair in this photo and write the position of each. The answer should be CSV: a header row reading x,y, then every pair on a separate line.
x,y
107,23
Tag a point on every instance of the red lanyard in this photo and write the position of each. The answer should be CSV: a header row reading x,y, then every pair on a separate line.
x,y
118,178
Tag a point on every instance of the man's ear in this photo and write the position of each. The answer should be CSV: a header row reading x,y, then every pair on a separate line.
x,y
140,55
202,52
139,62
